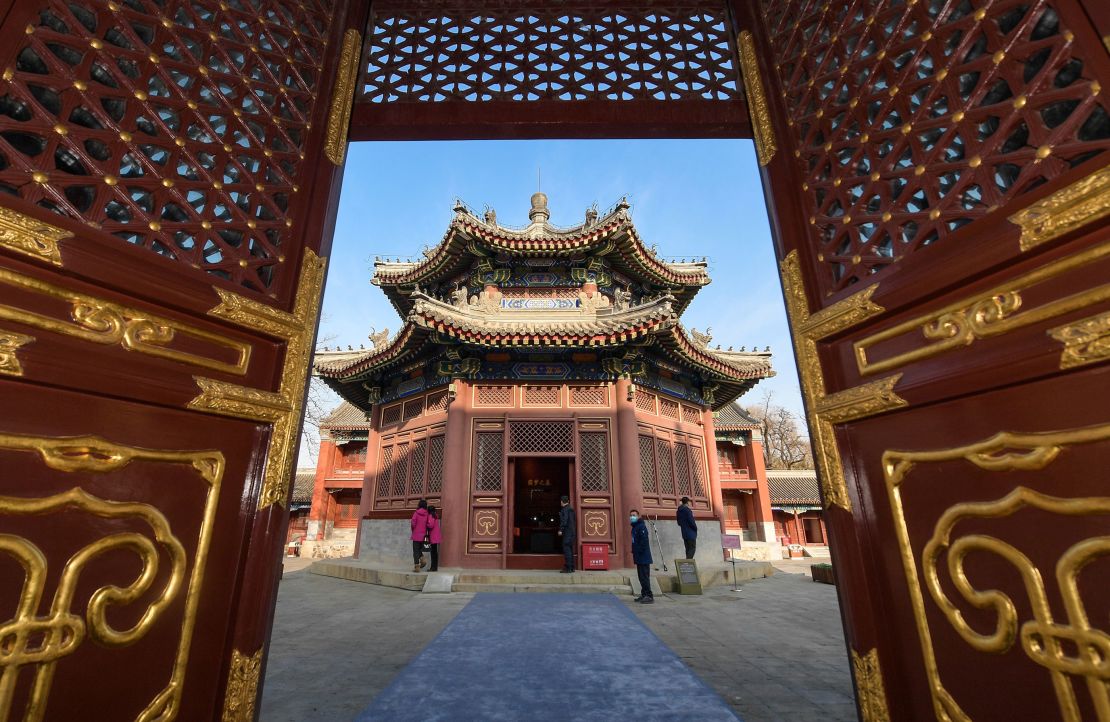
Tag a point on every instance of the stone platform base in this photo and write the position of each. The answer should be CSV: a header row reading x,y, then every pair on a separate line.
x,y
619,581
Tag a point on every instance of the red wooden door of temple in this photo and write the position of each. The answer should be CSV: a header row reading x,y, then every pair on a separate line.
x,y
170,176
939,188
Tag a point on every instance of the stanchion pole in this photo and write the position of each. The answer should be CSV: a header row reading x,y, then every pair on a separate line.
x,y
732,556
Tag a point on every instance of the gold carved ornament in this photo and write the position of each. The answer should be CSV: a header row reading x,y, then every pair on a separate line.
x,y
39,641
242,687
282,408
342,97
1085,342
31,237
869,682
1065,649
1066,210
762,130
994,312
10,343
105,322
825,410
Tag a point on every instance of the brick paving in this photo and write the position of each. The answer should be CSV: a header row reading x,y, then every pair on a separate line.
x,y
774,650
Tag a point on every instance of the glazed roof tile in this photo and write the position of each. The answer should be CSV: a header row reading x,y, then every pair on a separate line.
x,y
303,482
797,486
347,417
733,417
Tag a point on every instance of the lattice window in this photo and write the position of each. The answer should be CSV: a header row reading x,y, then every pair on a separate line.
x,y
541,437
589,396
493,396
391,415
647,465
401,470
385,472
668,408
594,458
690,415
437,402
913,119
413,408
541,396
645,401
435,465
180,133
682,469
416,474
698,468
592,52
490,460
666,466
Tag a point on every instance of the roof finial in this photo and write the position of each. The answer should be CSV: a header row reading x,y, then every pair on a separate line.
x,y
539,213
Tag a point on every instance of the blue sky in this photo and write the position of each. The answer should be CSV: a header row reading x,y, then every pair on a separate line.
x,y
689,197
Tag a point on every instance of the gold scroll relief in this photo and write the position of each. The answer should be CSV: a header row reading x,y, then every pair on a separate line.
x,y
1072,207
994,312
825,410
762,130
39,641
869,684
99,321
242,686
282,408
31,237
342,97
10,343
1065,649
1085,342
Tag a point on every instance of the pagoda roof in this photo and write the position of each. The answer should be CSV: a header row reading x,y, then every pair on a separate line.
x,y
794,487
346,417
303,483
612,236
653,324
732,417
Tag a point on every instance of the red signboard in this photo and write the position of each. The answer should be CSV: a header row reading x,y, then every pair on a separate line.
x,y
595,556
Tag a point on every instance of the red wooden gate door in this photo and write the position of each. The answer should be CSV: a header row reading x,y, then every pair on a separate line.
x,y
939,183
168,172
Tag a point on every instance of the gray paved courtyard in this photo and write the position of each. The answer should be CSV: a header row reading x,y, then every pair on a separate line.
x,y
774,650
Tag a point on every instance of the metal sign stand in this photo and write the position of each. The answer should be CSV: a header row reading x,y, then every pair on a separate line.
x,y
732,556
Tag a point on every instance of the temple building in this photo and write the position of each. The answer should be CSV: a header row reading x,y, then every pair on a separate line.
x,y
534,363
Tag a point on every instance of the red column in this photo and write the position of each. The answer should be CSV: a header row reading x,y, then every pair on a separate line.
x,y
325,463
758,469
629,493
366,500
709,434
456,477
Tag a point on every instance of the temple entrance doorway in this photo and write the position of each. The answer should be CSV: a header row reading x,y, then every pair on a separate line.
x,y
538,484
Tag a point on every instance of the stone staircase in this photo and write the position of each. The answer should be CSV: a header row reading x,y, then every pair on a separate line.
x,y
544,582
817,552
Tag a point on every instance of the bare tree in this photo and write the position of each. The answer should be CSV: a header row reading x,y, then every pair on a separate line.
x,y
319,402
785,446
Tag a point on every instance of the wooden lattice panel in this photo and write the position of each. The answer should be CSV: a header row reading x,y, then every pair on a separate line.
x,y
413,408
493,396
645,401
435,465
594,460
491,455
589,396
485,51
437,402
666,466
647,464
401,469
541,396
385,471
690,414
179,128
416,473
391,415
912,120
697,457
541,437
668,408
682,469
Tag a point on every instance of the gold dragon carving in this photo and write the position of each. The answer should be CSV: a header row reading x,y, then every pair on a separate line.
x,y
762,130
339,114
31,237
38,641
1066,648
10,343
869,682
242,686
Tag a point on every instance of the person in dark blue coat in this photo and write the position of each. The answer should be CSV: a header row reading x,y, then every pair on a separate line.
x,y
569,533
688,526
641,555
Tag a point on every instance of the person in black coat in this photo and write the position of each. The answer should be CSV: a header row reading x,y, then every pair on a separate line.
x,y
641,555
569,532
688,526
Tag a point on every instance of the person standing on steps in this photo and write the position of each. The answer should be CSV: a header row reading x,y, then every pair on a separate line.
x,y
435,536
569,532
641,555
688,526
419,526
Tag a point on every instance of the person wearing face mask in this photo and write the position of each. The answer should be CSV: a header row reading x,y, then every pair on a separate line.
x,y
641,555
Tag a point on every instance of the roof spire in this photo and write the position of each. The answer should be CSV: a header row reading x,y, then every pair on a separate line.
x,y
539,213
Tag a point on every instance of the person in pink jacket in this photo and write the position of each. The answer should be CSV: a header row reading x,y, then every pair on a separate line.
x,y
435,536
419,526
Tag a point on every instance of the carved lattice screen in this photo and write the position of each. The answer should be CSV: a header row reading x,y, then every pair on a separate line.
x,y
417,468
666,466
594,460
682,469
490,460
647,464
385,471
182,132
913,119
435,465
541,437
401,469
